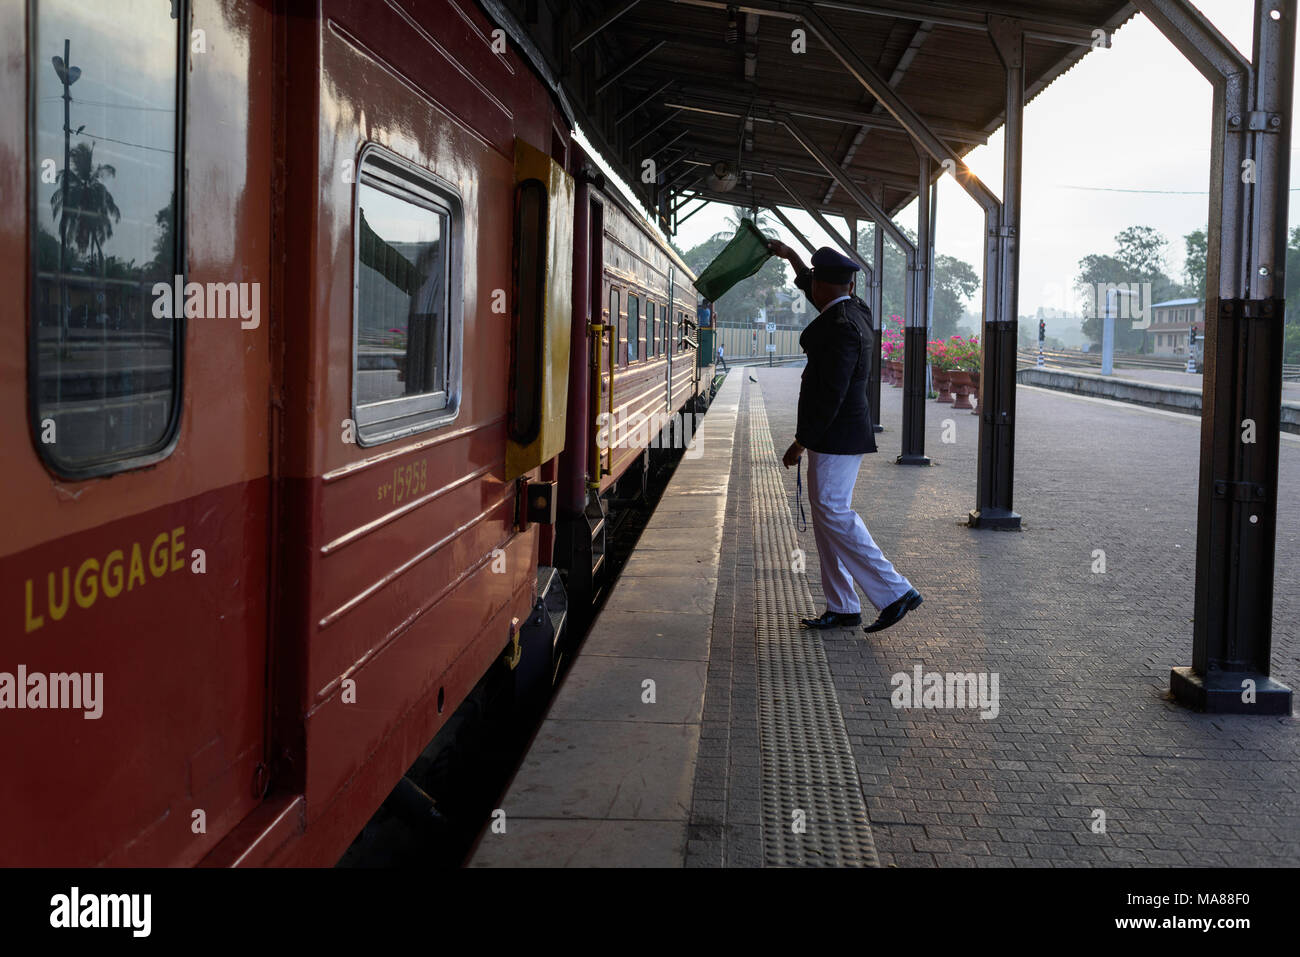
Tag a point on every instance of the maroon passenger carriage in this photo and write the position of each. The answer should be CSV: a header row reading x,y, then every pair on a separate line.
x,y
393,473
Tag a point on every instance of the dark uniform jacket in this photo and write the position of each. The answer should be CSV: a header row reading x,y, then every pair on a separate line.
x,y
834,415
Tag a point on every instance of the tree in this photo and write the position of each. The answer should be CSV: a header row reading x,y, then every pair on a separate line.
x,y
1139,257
762,220
1194,265
955,282
1291,342
1292,291
766,290
893,294
163,263
86,221
1142,250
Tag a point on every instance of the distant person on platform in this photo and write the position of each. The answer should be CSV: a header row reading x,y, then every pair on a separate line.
x,y
721,360
835,428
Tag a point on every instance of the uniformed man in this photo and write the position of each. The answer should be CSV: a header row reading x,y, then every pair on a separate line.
x,y
835,428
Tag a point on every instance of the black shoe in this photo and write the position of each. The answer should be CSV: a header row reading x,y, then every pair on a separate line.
x,y
893,613
832,619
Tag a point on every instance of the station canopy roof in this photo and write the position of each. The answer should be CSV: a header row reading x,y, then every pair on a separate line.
x,y
696,83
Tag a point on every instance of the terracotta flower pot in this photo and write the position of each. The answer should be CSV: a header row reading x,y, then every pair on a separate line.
x,y
943,386
975,391
961,389
896,373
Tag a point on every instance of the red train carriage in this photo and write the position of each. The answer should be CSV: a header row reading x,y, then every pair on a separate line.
x,y
306,305
639,378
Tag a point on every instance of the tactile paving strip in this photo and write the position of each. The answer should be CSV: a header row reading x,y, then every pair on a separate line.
x,y
807,761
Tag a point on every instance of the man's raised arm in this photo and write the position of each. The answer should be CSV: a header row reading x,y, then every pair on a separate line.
x,y
802,274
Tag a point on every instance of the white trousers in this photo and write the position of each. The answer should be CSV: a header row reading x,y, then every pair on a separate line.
x,y
845,547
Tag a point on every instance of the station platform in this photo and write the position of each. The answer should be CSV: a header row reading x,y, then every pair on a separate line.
x,y
1158,388
700,726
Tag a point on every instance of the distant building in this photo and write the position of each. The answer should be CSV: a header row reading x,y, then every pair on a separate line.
x,y
1170,323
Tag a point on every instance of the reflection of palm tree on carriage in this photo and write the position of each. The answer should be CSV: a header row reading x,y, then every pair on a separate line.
x,y
100,292
94,304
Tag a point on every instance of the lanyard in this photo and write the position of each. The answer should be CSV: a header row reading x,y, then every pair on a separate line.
x,y
798,494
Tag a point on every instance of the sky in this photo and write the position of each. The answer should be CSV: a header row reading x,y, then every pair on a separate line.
x,y
1122,139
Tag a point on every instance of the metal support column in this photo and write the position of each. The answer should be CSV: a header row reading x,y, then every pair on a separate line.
x,y
929,319
877,304
994,484
915,336
1236,529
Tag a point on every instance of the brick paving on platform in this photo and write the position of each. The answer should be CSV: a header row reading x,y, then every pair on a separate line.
x,y
1085,732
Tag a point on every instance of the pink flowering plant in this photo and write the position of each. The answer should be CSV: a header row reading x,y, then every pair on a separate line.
x,y
891,340
942,359
968,353
954,355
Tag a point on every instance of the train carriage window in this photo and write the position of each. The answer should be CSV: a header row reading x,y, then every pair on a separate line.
x,y
619,320
633,328
649,330
407,323
612,320
104,352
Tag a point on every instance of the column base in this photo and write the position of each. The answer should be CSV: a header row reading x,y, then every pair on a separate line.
x,y
1222,694
994,518
912,460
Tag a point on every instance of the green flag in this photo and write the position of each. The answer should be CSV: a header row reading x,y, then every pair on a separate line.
x,y
742,257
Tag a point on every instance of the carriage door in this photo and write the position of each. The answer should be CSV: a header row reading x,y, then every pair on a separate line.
x,y
603,339
604,343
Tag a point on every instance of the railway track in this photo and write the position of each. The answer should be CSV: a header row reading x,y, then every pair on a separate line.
x,y
1092,360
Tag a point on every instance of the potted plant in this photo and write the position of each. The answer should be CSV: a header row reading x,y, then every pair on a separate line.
x,y
891,354
941,363
959,351
891,349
